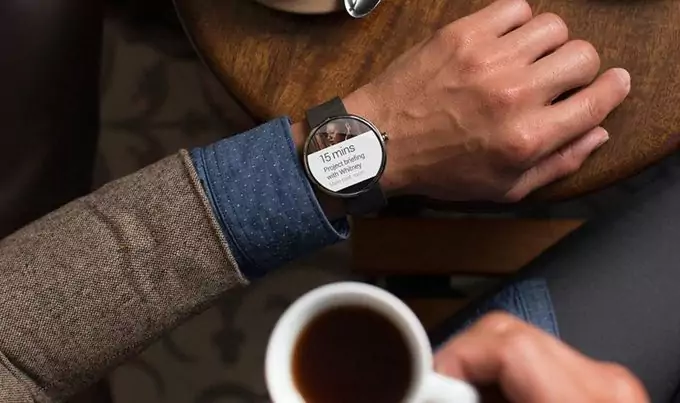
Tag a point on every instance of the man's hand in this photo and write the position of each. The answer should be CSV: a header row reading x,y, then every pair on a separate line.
x,y
530,366
471,112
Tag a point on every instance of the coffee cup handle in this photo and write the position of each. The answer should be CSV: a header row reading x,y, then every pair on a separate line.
x,y
440,389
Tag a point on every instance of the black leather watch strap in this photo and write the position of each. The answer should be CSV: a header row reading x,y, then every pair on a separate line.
x,y
369,202
329,109
373,199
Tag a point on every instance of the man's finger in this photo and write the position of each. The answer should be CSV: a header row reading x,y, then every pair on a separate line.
x,y
531,366
571,66
543,34
558,165
587,108
469,356
498,18
528,364
479,354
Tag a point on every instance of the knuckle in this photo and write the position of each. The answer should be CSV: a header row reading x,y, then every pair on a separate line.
x,y
571,165
505,96
520,147
522,8
447,33
624,386
497,322
593,110
517,343
555,24
453,36
474,61
586,53
569,161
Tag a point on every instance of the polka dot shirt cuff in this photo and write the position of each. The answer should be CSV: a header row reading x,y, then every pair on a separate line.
x,y
262,199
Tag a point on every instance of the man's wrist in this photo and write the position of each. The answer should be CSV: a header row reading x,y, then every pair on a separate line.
x,y
394,180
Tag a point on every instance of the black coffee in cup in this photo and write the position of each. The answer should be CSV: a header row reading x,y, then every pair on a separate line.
x,y
352,354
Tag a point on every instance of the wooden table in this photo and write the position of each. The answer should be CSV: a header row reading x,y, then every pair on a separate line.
x,y
277,63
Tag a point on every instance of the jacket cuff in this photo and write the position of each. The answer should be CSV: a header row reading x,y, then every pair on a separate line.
x,y
262,199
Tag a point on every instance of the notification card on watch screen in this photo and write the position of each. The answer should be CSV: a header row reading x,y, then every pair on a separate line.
x,y
343,162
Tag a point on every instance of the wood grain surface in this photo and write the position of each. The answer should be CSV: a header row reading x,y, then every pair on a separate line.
x,y
277,63
437,246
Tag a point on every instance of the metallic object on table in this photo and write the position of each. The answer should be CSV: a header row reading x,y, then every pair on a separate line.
x,y
303,6
360,8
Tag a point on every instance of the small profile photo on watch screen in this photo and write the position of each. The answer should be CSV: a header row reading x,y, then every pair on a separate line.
x,y
336,131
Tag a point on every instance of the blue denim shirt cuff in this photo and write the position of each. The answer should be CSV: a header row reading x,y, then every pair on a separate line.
x,y
527,299
262,198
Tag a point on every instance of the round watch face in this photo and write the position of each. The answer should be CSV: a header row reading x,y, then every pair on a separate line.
x,y
345,156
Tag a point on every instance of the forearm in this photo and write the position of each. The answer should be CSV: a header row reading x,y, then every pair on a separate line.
x,y
101,278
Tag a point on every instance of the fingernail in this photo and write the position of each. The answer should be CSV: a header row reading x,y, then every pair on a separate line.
x,y
603,138
624,76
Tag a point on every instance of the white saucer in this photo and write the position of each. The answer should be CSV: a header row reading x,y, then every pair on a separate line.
x,y
304,6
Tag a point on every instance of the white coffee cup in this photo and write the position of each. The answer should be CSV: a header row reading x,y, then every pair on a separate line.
x,y
426,385
304,6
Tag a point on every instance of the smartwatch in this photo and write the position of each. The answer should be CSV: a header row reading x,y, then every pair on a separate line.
x,y
345,156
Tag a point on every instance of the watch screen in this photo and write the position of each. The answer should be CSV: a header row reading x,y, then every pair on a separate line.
x,y
345,156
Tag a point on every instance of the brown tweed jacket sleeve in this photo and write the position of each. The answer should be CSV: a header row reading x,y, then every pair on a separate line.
x,y
99,279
